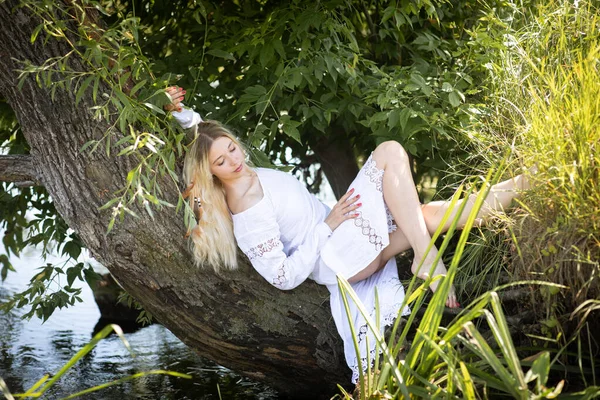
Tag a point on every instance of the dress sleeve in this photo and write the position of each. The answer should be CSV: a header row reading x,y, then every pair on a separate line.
x,y
187,117
260,239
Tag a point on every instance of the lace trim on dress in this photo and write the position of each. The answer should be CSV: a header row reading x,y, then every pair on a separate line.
x,y
281,279
375,174
265,247
389,313
365,225
392,227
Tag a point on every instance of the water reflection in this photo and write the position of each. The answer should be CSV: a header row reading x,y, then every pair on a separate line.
x,y
29,349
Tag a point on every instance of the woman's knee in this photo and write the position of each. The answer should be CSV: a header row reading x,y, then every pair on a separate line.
x,y
389,151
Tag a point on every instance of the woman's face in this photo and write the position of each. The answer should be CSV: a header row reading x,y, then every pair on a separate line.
x,y
226,159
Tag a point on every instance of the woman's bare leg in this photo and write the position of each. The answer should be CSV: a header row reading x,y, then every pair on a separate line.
x,y
401,197
499,198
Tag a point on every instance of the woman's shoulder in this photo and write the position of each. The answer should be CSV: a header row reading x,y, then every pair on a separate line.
x,y
272,173
241,202
276,179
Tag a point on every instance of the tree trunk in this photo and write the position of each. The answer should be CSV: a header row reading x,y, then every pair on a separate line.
x,y
286,339
337,158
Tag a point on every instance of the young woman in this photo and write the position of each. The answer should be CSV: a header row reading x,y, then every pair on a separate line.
x,y
288,235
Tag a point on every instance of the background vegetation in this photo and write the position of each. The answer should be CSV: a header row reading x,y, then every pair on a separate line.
x,y
465,86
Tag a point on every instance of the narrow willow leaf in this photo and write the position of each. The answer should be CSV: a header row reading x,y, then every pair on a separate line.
x,y
36,32
83,88
137,87
154,108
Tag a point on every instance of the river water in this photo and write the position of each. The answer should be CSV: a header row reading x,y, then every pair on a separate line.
x,y
29,349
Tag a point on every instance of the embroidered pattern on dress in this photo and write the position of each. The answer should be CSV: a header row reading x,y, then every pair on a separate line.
x,y
281,279
390,220
265,247
388,315
365,225
375,174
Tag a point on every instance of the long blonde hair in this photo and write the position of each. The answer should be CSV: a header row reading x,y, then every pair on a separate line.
x,y
211,240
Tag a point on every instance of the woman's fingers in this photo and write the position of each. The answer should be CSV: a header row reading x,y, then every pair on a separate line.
x,y
351,207
176,93
346,196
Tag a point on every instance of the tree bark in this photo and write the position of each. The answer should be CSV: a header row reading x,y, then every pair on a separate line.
x,y
18,169
286,339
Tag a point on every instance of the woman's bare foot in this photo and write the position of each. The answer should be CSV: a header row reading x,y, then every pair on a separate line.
x,y
440,269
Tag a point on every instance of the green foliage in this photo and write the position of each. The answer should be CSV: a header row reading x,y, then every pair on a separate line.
x,y
546,84
45,292
28,218
542,108
127,96
46,382
144,317
457,360
285,75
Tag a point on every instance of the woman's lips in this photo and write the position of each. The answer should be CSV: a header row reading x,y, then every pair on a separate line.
x,y
238,169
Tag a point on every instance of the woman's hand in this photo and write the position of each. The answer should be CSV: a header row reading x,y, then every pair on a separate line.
x,y
343,210
176,94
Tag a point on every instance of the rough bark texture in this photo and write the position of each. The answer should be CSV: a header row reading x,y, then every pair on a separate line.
x,y
286,339
17,168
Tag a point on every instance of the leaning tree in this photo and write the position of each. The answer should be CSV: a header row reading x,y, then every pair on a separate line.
x,y
87,84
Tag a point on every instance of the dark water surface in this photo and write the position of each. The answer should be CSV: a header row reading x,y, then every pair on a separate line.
x,y
29,349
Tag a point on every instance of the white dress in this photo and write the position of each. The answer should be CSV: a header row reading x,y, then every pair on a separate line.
x,y
286,240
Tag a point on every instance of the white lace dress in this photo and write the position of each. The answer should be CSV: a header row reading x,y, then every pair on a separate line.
x,y
286,241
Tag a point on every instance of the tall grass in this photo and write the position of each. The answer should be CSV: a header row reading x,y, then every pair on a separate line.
x,y
458,360
546,108
543,109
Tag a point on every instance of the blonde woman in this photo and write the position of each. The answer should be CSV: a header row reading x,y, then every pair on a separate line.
x,y
289,235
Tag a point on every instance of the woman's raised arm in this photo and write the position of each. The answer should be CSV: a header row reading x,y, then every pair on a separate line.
x,y
186,117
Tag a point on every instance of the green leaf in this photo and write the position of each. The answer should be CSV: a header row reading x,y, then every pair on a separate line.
x,y
404,117
256,90
72,249
393,118
154,108
411,87
73,273
266,54
91,276
290,129
83,88
221,54
279,47
539,369
36,32
86,145
137,87
454,99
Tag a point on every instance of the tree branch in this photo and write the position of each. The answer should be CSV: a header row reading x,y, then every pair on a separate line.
x,y
18,169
